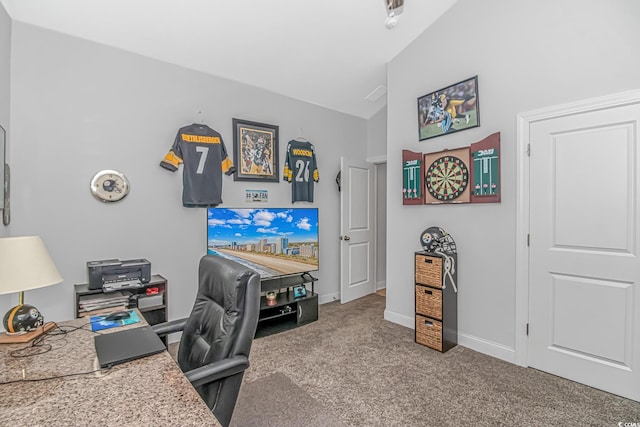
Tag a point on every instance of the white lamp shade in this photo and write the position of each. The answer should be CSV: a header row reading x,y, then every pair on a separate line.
x,y
25,264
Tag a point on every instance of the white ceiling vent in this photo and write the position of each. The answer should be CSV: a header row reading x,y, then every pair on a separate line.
x,y
376,94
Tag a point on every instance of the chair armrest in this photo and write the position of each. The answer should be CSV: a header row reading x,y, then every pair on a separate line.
x,y
217,370
166,328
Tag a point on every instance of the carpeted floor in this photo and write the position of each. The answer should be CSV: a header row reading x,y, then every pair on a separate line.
x,y
353,368
275,401
364,371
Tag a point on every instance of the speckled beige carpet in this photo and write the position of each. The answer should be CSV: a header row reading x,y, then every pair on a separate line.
x,y
355,368
275,401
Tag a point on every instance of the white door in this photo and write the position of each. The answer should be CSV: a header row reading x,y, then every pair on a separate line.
x,y
584,271
356,231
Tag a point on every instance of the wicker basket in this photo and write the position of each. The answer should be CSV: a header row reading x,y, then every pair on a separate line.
x,y
429,301
429,332
429,270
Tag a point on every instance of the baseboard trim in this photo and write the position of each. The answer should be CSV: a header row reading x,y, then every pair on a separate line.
x,y
400,319
481,345
490,348
381,285
326,298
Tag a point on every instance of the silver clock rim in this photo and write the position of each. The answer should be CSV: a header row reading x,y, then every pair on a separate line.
x,y
96,180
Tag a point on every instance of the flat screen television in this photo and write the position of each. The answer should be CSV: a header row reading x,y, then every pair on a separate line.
x,y
272,241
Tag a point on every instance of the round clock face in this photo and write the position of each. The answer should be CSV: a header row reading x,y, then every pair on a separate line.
x,y
447,178
109,186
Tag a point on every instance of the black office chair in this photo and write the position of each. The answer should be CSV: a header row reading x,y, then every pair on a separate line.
x,y
217,336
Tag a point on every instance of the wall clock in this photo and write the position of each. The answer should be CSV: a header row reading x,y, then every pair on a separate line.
x,y
109,186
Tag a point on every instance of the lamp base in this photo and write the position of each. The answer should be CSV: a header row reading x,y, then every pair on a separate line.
x,y
6,338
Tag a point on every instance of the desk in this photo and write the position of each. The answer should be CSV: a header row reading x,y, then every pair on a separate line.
x,y
148,391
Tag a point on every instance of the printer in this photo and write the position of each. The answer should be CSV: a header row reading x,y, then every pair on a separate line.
x,y
113,274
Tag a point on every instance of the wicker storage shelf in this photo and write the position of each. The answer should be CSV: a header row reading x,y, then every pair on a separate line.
x,y
429,270
429,332
436,302
429,301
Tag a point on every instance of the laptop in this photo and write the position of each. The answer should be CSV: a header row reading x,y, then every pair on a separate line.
x,y
124,346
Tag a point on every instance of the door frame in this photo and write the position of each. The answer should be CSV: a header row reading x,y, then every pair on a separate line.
x,y
376,233
524,122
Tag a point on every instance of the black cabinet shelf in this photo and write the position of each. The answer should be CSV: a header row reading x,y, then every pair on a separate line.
x,y
154,308
153,314
436,300
276,325
276,317
283,299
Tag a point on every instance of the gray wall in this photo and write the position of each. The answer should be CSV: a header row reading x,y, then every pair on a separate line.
x,y
5,92
527,55
79,107
377,135
5,68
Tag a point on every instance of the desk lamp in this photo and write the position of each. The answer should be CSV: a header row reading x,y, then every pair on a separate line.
x,y
25,264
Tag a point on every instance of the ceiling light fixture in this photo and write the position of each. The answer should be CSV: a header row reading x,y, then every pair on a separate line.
x,y
376,94
394,8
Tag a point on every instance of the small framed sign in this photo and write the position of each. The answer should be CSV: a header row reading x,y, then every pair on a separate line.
x,y
253,196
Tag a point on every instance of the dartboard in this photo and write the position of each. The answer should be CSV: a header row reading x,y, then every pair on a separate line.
x,y
447,178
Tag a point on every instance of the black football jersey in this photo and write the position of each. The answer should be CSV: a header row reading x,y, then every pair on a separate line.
x,y
204,156
301,170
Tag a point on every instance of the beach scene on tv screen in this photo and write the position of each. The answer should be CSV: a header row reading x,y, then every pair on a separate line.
x,y
271,241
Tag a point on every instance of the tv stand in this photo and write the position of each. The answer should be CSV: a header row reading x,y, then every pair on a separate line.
x,y
287,311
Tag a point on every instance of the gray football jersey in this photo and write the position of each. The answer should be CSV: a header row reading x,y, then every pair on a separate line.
x,y
301,170
202,152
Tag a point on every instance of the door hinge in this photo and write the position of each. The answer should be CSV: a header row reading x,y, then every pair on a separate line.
x,y
527,329
528,239
529,150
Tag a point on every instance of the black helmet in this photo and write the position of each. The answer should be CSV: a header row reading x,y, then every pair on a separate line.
x,y
435,239
22,318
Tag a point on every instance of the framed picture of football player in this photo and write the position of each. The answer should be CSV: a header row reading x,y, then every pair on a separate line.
x,y
450,109
255,148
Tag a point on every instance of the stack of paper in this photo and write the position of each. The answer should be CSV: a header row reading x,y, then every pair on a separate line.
x,y
103,302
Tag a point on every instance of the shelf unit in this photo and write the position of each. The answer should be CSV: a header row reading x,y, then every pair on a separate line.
x,y
287,311
153,314
436,302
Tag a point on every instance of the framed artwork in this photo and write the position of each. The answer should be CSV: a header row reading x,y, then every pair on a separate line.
x,y
255,149
450,109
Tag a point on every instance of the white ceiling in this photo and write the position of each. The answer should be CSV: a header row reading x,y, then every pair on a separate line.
x,y
329,53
